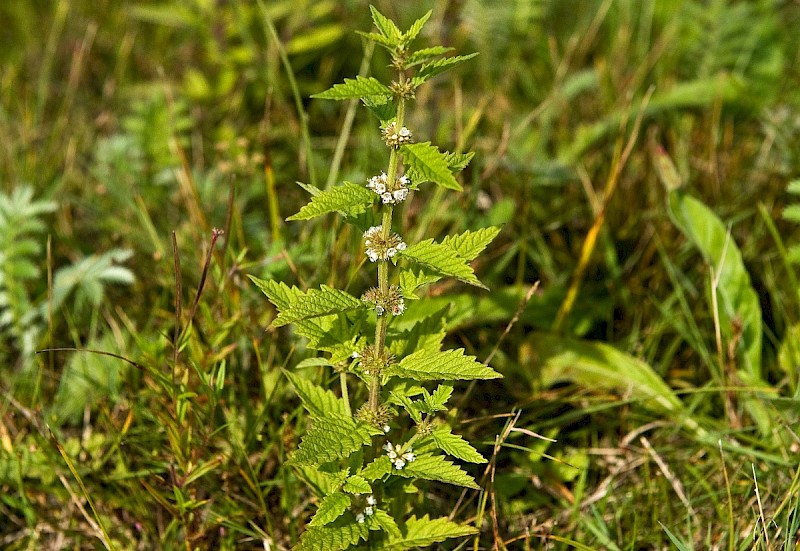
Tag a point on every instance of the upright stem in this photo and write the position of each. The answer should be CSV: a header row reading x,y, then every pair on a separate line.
x,y
383,265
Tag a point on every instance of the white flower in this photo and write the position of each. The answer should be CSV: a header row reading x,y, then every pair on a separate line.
x,y
400,195
379,310
373,256
368,511
360,518
399,464
390,451
391,251
354,355
401,246
386,429
386,197
380,188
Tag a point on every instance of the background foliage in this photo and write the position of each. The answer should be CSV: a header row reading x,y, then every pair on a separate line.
x,y
638,155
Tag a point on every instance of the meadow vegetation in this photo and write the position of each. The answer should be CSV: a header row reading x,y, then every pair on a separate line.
x,y
643,304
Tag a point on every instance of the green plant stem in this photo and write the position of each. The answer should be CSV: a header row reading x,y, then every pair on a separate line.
x,y
383,265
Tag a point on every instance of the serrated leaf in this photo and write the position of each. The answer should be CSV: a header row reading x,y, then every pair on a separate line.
x,y
436,467
385,25
357,485
336,536
411,407
348,198
379,468
471,243
442,259
458,161
439,398
317,400
416,27
424,532
383,520
455,446
379,39
278,293
332,437
424,54
450,365
430,70
318,302
355,88
322,483
428,164
411,280
330,508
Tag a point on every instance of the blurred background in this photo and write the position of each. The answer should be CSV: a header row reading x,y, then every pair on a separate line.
x,y
637,154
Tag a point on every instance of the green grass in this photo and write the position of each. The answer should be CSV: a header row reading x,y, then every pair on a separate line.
x,y
131,121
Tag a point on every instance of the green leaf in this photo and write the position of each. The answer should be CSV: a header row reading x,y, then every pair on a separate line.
x,y
330,508
454,445
794,187
442,259
382,108
424,54
458,161
470,244
423,532
439,398
333,537
357,88
379,468
385,25
332,437
357,485
451,365
411,280
317,400
792,213
436,467
350,199
387,43
415,28
430,70
425,163
411,407
385,522
318,302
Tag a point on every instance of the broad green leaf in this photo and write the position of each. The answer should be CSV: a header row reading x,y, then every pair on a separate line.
x,y
424,54
415,28
439,398
470,244
317,400
318,302
341,534
322,483
348,198
455,446
357,485
379,468
332,437
601,366
411,407
436,467
458,161
330,508
425,163
385,522
355,88
450,365
387,43
411,280
423,532
382,108
441,259
738,301
430,70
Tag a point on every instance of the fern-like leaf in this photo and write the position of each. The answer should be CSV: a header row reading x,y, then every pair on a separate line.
x,y
423,532
317,400
450,365
332,437
355,88
330,508
425,163
349,198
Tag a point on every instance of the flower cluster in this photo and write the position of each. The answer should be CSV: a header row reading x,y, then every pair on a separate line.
x,y
395,137
373,361
398,459
369,510
391,301
389,194
380,247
